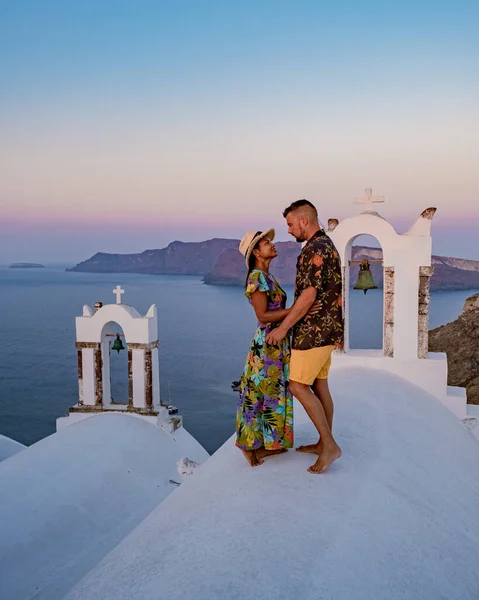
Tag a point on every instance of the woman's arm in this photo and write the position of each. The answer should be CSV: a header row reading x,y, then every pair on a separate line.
x,y
259,301
298,310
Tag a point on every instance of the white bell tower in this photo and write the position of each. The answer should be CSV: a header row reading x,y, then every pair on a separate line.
x,y
407,269
94,330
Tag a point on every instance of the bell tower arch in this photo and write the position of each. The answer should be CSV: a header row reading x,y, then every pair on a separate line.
x,y
97,335
407,269
365,272
405,257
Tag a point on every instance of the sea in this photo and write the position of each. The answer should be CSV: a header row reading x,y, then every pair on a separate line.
x,y
204,331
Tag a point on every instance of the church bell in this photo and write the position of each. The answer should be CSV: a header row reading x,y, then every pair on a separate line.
x,y
365,278
118,344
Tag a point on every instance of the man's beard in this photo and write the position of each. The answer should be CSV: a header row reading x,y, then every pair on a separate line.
x,y
300,239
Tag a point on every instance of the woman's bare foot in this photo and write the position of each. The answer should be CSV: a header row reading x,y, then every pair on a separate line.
x,y
262,452
328,454
251,457
309,448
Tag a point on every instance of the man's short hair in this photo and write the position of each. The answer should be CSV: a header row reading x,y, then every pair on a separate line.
x,y
300,204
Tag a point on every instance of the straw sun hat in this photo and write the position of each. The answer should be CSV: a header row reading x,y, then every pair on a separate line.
x,y
250,239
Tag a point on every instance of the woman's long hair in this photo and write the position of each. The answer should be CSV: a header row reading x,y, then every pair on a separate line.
x,y
252,260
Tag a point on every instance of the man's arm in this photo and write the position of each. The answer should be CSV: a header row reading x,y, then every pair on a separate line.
x,y
296,312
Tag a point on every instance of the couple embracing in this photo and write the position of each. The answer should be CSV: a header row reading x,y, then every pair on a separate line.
x,y
279,366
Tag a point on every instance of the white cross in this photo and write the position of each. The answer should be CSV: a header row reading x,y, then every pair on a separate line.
x,y
369,199
118,292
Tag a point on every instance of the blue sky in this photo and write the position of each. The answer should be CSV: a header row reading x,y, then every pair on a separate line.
x,y
126,125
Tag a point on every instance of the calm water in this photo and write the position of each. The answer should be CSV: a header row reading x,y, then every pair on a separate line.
x,y
204,335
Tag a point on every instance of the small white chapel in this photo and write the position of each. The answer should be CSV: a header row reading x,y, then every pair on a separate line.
x,y
123,503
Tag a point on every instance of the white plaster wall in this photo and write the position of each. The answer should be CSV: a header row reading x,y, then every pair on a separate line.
x,y
429,375
152,316
363,224
406,253
137,329
155,357
75,417
406,306
93,326
88,357
138,368
394,245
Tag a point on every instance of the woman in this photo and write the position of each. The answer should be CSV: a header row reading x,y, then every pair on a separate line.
x,y
264,420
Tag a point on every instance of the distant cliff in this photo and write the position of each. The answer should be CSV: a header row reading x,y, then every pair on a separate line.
x,y
220,262
230,268
449,273
178,258
460,341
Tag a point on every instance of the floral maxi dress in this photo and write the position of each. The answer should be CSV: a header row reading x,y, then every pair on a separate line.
x,y
265,410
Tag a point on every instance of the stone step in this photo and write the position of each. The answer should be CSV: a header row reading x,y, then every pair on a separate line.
x,y
455,400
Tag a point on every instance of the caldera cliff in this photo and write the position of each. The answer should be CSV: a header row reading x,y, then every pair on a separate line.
x,y
220,263
460,341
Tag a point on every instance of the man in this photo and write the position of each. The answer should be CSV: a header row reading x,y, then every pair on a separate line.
x,y
318,277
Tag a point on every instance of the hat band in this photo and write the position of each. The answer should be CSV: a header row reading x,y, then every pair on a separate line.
x,y
254,237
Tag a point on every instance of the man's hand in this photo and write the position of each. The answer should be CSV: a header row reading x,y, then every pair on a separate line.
x,y
275,337
297,311
315,308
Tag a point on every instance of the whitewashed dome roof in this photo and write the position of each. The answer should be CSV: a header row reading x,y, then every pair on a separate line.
x,y
67,500
396,517
9,447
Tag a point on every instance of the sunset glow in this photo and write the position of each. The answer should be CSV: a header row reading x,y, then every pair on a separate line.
x,y
187,121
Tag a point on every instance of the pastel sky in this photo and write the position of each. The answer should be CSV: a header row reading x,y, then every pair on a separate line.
x,y
125,125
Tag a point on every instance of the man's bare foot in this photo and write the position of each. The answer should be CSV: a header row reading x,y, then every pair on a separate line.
x,y
251,457
309,448
262,452
328,454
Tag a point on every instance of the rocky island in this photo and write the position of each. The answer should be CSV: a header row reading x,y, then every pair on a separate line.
x,y
220,263
460,341
26,265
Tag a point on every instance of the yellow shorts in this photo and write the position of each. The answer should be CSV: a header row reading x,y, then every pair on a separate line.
x,y
308,365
